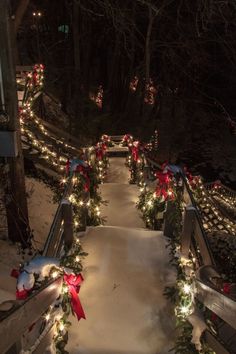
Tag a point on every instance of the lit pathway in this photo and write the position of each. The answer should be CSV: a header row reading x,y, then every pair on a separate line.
x,y
125,274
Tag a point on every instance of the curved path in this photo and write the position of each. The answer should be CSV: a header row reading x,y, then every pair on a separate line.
x,y
125,274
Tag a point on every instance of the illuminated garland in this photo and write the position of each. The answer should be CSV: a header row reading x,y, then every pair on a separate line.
x,y
67,303
29,122
211,215
135,162
223,197
182,293
101,160
150,90
88,206
153,204
85,199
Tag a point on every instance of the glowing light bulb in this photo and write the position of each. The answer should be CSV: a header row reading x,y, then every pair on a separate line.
x,y
65,289
61,327
184,310
55,274
187,288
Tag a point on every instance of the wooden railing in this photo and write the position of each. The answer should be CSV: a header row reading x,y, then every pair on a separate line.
x,y
195,239
228,191
15,323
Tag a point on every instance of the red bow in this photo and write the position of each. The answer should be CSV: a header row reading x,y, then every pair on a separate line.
x,y
99,153
161,192
164,178
104,146
22,294
15,273
135,154
82,170
226,288
217,184
73,282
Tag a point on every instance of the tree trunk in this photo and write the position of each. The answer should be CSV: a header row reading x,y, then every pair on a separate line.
x,y
16,203
151,17
19,14
77,96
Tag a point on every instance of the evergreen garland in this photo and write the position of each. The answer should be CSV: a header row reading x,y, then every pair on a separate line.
x,y
181,294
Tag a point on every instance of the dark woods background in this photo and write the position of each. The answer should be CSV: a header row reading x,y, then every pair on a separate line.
x,y
186,48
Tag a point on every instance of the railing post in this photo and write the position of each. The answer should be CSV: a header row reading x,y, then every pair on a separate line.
x,y
67,216
188,227
168,224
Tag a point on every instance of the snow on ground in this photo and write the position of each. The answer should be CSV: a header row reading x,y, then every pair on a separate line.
x,y
117,172
41,212
125,274
41,209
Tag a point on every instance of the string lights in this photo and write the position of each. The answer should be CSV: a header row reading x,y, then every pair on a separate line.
x,y
85,199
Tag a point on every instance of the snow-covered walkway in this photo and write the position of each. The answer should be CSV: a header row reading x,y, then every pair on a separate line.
x,y
125,274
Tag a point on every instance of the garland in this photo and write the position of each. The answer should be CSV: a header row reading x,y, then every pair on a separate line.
x,y
38,272
135,162
213,219
86,203
153,204
182,293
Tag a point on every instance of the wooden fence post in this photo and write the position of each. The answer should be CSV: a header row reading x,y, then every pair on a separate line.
x,y
67,216
188,227
168,225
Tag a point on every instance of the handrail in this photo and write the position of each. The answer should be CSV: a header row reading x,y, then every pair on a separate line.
x,y
205,291
202,233
62,133
189,199
29,311
210,185
24,314
49,248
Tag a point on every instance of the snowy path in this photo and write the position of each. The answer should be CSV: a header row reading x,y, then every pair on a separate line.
x,y
125,274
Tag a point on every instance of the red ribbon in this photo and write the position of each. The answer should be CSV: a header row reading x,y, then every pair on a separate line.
x,y
73,282
99,153
217,184
22,294
161,192
135,154
164,178
15,273
227,288
83,171
104,147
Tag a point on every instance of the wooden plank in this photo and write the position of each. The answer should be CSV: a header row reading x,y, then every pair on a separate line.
x,y
50,249
222,305
29,312
215,344
46,341
168,225
188,227
71,140
204,249
67,216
